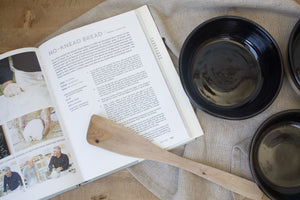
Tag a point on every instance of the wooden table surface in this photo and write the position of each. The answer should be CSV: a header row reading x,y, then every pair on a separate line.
x,y
23,23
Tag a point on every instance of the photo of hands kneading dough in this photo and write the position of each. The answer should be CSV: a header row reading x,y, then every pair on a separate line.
x,y
33,128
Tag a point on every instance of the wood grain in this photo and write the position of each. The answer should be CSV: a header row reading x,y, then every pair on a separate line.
x,y
23,23
119,186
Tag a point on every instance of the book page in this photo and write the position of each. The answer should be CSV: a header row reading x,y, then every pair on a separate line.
x,y
108,68
169,72
30,132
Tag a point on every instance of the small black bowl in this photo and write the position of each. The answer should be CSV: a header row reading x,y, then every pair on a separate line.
x,y
231,67
275,156
294,58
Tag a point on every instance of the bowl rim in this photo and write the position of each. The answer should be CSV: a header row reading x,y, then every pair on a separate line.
x,y
265,32
290,67
268,123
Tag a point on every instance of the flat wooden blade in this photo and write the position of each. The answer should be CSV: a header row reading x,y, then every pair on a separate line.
x,y
109,135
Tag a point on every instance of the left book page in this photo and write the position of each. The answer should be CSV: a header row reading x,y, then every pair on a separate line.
x,y
31,137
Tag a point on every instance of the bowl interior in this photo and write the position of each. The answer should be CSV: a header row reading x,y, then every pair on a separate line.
x,y
294,55
230,67
275,156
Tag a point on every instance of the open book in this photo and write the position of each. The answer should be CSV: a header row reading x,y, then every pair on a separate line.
x,y
118,68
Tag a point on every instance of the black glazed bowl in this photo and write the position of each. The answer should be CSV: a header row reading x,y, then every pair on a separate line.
x,y
275,156
294,58
230,67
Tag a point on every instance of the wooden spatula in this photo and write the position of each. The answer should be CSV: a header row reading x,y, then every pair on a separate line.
x,y
111,136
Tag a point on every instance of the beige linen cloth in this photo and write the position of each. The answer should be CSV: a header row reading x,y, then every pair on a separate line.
x,y
226,142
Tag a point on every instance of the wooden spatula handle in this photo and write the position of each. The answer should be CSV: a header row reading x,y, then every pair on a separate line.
x,y
227,180
114,137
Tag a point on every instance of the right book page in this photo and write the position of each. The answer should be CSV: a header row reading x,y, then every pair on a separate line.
x,y
168,71
109,68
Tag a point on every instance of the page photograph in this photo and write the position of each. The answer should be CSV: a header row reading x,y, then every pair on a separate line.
x,y
4,148
23,88
11,181
37,170
32,128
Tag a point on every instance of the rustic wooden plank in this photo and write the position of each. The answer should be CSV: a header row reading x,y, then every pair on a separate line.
x,y
120,185
23,23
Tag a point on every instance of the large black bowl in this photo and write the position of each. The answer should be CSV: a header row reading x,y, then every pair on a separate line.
x,y
230,67
275,156
294,57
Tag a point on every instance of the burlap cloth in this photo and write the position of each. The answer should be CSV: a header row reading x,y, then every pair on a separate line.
x,y
225,143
